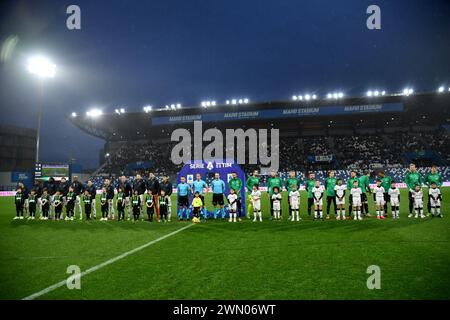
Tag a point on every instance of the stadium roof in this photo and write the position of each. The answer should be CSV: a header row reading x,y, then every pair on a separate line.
x,y
156,123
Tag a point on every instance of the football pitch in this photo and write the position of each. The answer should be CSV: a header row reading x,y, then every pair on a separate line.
x,y
220,260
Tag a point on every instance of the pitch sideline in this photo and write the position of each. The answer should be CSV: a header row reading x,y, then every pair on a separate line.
x,y
104,264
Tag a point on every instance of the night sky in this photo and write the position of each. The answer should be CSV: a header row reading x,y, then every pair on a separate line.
x,y
133,53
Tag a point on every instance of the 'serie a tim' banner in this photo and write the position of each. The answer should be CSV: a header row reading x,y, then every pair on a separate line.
x,y
279,113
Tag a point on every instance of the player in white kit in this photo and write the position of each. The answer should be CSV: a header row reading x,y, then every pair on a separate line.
x,y
417,195
435,200
356,192
294,198
317,193
256,203
394,195
378,195
276,201
339,190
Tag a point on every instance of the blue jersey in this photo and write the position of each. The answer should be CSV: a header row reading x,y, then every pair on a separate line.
x,y
198,186
218,186
183,189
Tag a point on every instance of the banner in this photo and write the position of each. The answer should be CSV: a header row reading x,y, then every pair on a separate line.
x,y
287,112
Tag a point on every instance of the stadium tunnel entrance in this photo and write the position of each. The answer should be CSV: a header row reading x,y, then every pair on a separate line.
x,y
207,169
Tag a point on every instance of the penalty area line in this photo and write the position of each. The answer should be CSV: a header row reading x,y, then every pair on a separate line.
x,y
104,264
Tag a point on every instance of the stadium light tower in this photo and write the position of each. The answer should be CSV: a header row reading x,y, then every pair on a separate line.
x,y
43,68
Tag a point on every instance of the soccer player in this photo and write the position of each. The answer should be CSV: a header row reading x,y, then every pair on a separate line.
x,y
153,185
294,203
121,203
273,181
290,182
70,205
93,192
386,182
339,190
418,201
276,199
435,198
136,205
197,205
317,193
378,197
364,184
51,189
139,186
104,204
218,190
394,196
45,202
164,205
200,186
183,190
25,194
77,187
355,193
309,185
433,176
37,188
412,179
87,200
19,202
256,203
235,183
58,205
127,190
63,188
350,183
166,186
32,204
232,202
150,204
251,181
330,183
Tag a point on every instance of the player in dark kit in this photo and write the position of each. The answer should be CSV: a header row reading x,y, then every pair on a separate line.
x,y
139,186
93,192
51,189
127,190
63,188
309,185
78,189
19,202
167,187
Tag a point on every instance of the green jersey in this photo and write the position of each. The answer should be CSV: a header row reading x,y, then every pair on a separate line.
x,y
71,196
309,185
350,182
103,197
364,183
162,200
274,182
251,181
148,199
236,185
87,199
433,177
18,199
386,182
330,183
290,182
120,197
412,179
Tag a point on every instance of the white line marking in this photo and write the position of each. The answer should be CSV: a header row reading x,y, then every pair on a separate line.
x,y
104,264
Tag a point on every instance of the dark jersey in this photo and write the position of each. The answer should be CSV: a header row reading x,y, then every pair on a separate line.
x,y
153,185
51,188
139,186
126,189
110,192
77,187
63,187
92,191
167,187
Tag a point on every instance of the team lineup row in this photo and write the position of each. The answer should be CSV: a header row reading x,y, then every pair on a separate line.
x,y
153,197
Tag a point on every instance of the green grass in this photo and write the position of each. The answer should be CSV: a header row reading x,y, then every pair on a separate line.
x,y
219,260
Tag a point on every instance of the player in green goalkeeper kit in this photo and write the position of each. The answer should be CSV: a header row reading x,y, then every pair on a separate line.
x,y
330,183
236,184
252,180
386,183
291,181
412,179
433,176
274,181
353,178
309,185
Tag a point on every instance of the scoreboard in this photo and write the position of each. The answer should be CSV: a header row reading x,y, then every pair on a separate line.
x,y
44,171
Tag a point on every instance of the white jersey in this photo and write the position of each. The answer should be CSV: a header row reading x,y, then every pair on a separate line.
x,y
294,197
232,197
276,201
379,192
256,199
418,198
394,194
435,197
339,190
317,194
356,196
